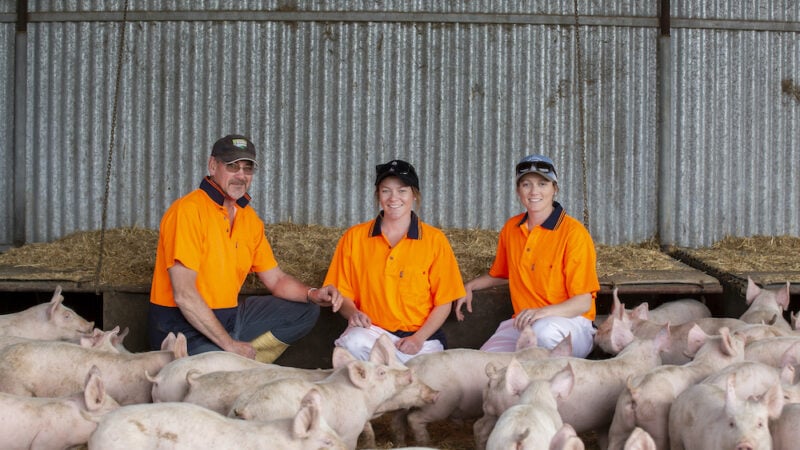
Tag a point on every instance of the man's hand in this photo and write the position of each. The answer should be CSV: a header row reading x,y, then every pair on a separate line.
x,y
241,348
359,319
327,296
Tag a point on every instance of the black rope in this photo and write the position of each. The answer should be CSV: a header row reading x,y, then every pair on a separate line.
x,y
581,111
99,267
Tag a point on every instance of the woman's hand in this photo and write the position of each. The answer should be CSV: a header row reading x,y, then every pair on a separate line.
x,y
359,319
410,345
527,317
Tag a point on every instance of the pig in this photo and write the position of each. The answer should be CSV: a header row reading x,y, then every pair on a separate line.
x,y
646,399
766,305
46,321
674,312
534,421
598,383
773,351
351,395
705,416
784,430
55,369
640,440
680,335
27,422
754,379
218,390
566,439
170,384
460,377
186,426
752,332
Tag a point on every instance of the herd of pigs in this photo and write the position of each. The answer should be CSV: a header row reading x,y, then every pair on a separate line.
x,y
675,378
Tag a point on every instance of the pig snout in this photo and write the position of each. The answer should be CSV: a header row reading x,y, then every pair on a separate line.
x,y
240,413
745,446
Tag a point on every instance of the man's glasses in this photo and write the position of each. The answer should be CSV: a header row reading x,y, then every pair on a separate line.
x,y
535,166
234,167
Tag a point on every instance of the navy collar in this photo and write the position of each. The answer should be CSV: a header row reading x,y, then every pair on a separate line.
x,y
215,193
553,219
413,227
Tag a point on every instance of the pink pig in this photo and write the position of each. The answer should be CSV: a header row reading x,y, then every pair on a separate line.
x,y
534,421
50,321
766,305
646,399
183,426
459,375
54,369
706,416
598,383
49,423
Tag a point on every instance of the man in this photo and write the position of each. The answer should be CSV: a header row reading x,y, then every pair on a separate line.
x,y
209,241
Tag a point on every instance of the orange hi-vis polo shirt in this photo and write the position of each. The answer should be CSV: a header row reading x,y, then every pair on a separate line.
x,y
397,287
549,264
196,231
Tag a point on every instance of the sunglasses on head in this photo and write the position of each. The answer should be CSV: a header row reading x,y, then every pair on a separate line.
x,y
535,166
234,167
397,167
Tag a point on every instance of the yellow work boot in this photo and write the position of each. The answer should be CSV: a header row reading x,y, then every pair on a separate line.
x,y
268,347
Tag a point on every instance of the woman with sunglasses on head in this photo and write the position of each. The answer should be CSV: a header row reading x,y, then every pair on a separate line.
x,y
548,260
397,274
209,240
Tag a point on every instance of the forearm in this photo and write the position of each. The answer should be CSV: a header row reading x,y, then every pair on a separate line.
x,y
571,307
202,318
435,320
485,281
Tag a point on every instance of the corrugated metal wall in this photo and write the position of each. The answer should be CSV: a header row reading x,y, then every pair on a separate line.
x,y
6,127
461,89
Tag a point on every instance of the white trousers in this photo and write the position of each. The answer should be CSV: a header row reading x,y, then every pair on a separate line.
x,y
359,341
549,332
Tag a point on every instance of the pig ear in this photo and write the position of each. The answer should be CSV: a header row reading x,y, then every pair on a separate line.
x,y
566,439
180,348
752,290
782,297
341,357
661,341
359,374
617,308
192,375
117,340
383,351
491,370
527,339
516,378
695,339
55,302
168,341
640,440
727,345
621,335
641,311
562,382
307,418
93,391
563,348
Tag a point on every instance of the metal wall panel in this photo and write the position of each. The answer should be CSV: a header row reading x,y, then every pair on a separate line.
x,y
608,9
761,10
326,102
7,31
461,89
737,115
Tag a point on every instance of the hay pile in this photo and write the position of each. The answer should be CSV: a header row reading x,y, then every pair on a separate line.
x,y
305,251
775,258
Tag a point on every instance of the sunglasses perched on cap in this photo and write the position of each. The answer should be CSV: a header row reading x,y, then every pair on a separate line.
x,y
398,167
535,166
235,167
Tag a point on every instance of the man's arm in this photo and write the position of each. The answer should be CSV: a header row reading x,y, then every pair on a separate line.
x,y
287,287
196,311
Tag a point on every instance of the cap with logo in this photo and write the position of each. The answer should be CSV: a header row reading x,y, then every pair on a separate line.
x,y
234,147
